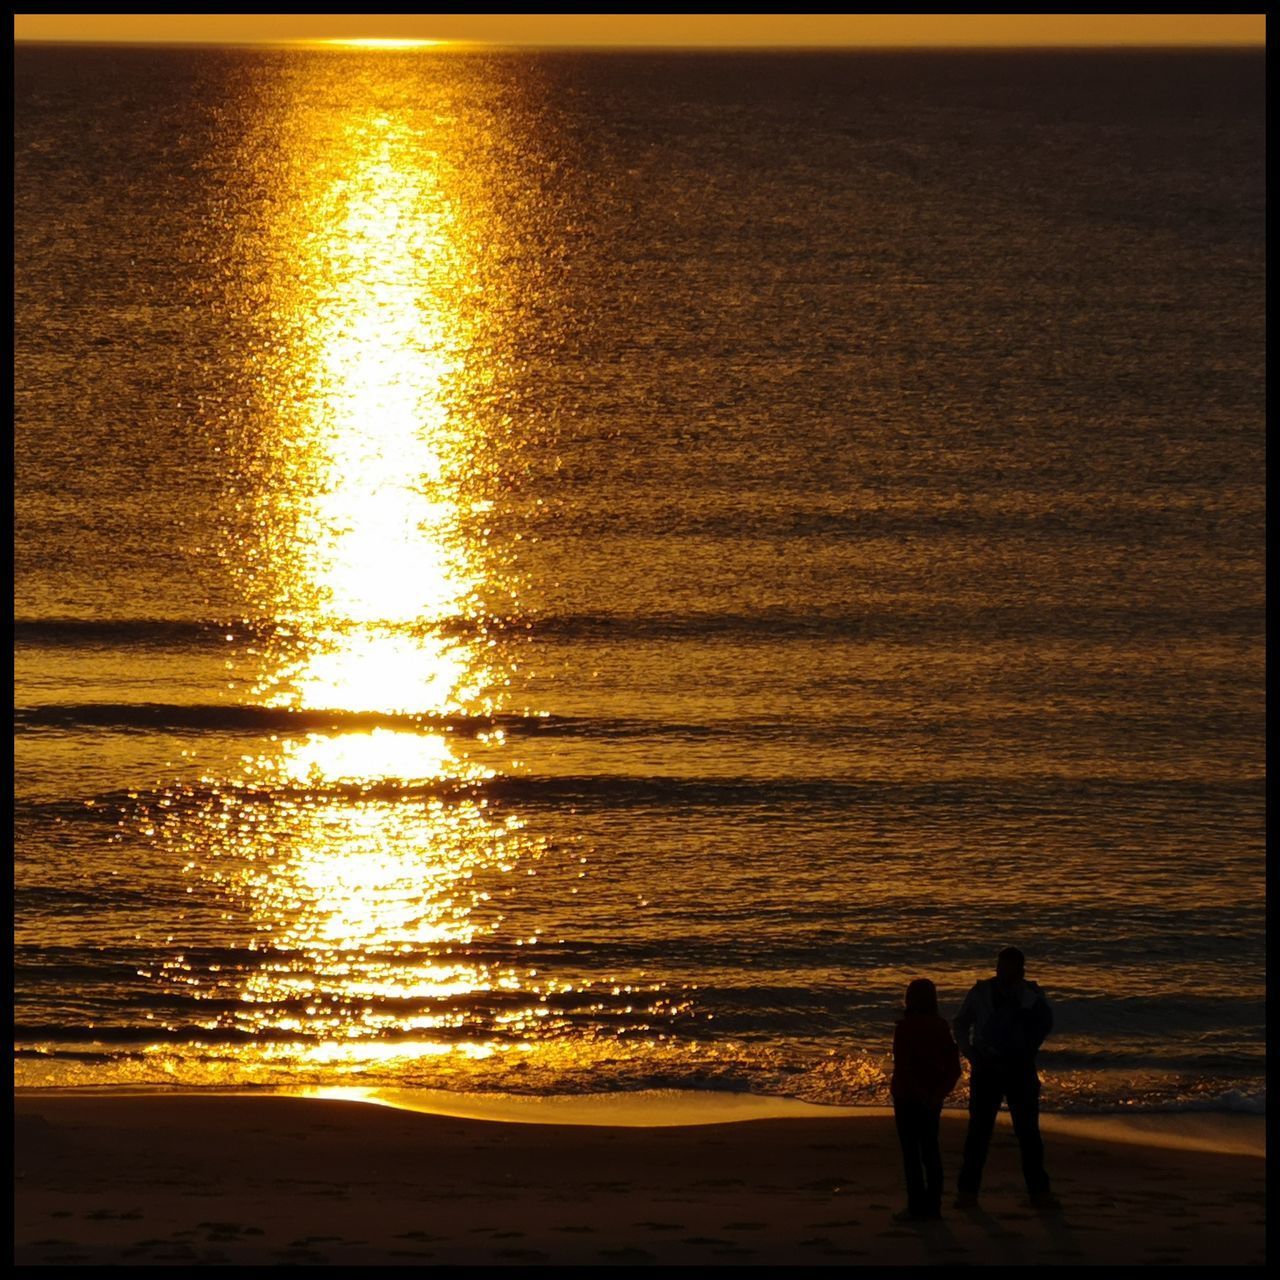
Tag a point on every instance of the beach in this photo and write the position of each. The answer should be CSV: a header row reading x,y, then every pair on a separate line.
x,y
553,585
186,1179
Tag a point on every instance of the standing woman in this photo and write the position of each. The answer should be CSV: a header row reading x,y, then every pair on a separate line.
x,y
926,1067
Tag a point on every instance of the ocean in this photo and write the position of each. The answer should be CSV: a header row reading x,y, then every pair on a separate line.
x,y
559,573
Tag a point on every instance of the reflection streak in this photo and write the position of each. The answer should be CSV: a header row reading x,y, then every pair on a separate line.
x,y
365,907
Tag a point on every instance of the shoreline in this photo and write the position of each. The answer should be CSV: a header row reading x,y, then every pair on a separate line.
x,y
267,1179
1224,1132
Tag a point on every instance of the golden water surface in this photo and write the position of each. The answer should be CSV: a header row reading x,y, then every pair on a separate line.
x,y
368,573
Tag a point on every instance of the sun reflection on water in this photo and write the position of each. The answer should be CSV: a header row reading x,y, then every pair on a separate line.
x,y
364,907
371,552
373,757
381,42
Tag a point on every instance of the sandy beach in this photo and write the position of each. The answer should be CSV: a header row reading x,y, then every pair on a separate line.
x,y
272,1180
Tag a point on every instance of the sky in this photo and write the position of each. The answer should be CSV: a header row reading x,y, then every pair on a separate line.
x,y
719,29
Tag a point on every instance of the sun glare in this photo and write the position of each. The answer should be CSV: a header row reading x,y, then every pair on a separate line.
x,y
378,42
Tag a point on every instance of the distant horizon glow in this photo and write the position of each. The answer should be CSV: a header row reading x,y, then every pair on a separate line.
x,y
376,42
707,31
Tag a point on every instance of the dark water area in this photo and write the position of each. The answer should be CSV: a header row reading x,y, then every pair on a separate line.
x,y
562,572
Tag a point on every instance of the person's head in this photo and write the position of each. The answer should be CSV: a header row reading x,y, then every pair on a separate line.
x,y
922,997
1011,965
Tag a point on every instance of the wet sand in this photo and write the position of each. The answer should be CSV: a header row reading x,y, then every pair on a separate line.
x,y
270,1180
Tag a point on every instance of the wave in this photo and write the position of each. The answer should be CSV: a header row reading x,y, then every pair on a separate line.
x,y
240,718
30,1038
622,791
882,624
133,632
245,718
191,1057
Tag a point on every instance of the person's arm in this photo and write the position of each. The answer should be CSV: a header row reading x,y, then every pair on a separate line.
x,y
963,1024
1041,1019
951,1066
899,1073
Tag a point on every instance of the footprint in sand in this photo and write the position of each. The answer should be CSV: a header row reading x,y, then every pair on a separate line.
x,y
228,1229
827,1186
629,1254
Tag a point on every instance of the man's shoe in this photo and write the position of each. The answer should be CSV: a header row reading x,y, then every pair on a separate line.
x,y
966,1200
1046,1202
914,1215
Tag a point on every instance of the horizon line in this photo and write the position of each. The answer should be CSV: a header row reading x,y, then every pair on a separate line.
x,y
395,44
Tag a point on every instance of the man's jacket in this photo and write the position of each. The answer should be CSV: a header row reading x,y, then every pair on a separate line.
x,y
996,1029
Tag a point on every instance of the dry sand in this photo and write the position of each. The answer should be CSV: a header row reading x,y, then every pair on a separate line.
x,y
232,1180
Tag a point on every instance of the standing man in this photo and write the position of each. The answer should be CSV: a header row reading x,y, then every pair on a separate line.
x,y
999,1029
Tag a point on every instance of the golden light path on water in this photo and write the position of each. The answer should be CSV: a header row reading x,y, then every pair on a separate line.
x,y
367,904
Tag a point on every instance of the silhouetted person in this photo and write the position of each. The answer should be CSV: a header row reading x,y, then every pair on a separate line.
x,y
926,1066
1001,1025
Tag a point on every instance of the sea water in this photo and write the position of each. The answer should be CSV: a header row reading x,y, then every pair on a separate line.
x,y
574,573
